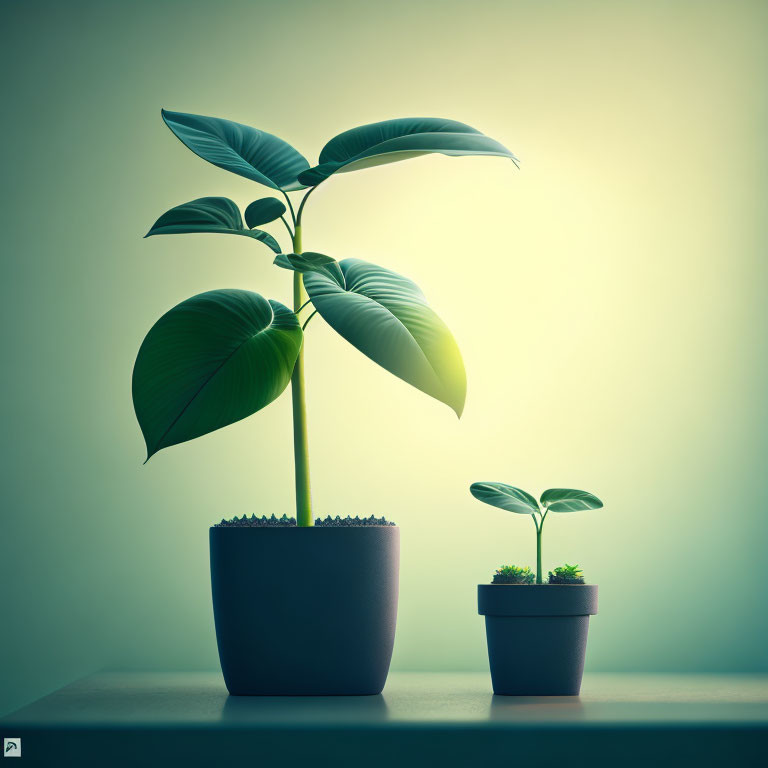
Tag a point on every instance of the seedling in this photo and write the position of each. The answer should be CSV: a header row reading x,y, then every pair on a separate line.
x,y
522,503
512,574
566,574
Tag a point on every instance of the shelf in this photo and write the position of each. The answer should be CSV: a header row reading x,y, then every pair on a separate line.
x,y
421,719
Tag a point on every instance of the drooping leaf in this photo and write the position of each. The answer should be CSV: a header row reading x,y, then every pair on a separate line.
x,y
505,497
388,319
208,214
263,211
309,261
210,361
569,500
238,148
393,140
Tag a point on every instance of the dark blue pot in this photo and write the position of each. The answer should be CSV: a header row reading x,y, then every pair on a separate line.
x,y
537,636
305,611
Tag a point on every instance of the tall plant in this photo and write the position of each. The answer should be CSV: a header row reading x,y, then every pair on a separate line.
x,y
222,355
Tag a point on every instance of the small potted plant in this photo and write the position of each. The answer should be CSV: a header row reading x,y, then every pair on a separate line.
x,y
536,632
301,606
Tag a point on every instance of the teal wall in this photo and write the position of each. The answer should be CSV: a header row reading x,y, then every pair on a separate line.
x,y
609,299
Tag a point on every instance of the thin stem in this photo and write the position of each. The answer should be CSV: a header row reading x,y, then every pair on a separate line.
x,y
304,202
300,442
538,556
296,311
290,231
290,206
539,529
306,322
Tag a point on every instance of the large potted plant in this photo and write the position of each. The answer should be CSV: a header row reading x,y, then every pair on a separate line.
x,y
301,606
536,631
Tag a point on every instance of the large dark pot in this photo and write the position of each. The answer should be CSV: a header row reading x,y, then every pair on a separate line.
x,y
537,636
305,611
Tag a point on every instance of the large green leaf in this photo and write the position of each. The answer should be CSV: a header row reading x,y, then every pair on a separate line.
x,y
393,140
210,361
505,497
388,319
263,211
569,500
309,261
208,214
238,148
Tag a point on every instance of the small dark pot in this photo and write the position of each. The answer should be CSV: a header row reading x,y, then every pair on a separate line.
x,y
537,636
305,611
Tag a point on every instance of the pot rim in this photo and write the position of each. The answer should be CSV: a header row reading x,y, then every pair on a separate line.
x,y
217,527
537,585
557,600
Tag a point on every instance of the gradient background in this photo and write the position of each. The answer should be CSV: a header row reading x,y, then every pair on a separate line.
x,y
609,299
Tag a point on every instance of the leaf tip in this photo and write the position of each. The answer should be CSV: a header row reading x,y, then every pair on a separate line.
x,y
150,453
457,406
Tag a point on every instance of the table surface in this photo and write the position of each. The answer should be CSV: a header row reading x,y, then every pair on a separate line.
x,y
159,707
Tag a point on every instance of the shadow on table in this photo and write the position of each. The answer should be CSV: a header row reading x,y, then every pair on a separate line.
x,y
523,708
294,710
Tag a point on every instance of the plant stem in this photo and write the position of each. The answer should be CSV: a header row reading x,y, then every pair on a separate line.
x,y
287,226
303,203
539,529
290,206
538,555
300,446
306,322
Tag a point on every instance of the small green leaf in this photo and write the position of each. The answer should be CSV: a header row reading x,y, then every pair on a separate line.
x,y
208,214
210,361
246,151
569,500
309,261
388,319
505,497
263,211
400,139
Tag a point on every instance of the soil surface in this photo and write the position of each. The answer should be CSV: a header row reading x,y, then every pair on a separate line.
x,y
290,522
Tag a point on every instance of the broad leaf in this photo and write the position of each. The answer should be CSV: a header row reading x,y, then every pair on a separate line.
x,y
263,211
569,500
505,497
212,360
208,214
238,148
309,261
393,140
387,318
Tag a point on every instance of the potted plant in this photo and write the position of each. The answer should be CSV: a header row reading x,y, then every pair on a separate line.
x,y
536,632
301,606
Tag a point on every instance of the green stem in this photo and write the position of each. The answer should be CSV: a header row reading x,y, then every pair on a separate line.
x,y
303,203
308,301
538,555
290,206
539,529
287,226
300,446
306,322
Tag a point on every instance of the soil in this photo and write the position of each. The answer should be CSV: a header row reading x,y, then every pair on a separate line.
x,y
290,522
